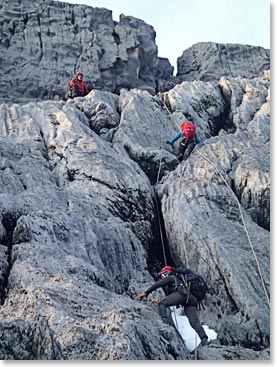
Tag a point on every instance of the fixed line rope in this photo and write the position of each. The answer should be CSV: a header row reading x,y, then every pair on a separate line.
x,y
162,239
181,175
157,205
244,224
178,204
160,227
240,210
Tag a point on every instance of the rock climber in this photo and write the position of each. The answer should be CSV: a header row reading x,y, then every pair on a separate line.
x,y
176,295
188,142
77,86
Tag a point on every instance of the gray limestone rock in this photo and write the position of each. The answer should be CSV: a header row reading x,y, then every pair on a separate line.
x,y
210,61
48,42
202,216
164,69
79,230
43,45
143,134
217,352
28,340
78,223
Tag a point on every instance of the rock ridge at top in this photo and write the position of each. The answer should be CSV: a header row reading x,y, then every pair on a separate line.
x,y
44,43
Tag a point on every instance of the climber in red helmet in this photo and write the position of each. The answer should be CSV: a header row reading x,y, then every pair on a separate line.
x,y
77,86
176,295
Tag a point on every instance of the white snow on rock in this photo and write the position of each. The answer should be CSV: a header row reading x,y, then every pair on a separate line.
x,y
189,335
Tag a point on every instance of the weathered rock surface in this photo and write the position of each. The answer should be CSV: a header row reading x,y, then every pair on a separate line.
x,y
77,220
44,44
79,229
28,341
217,352
210,61
49,41
201,214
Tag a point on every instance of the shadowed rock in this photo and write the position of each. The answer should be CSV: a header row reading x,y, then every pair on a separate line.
x,y
79,228
79,233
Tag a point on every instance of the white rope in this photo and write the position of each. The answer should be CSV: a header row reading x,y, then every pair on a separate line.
x,y
178,201
157,206
195,350
159,170
241,214
244,224
181,175
160,228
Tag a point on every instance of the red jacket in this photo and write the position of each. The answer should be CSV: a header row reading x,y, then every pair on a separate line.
x,y
81,86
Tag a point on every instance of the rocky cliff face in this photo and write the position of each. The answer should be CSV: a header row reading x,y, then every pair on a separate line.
x,y
209,61
48,42
83,185
44,44
79,232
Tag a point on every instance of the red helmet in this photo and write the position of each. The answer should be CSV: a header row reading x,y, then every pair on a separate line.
x,y
188,129
166,269
80,76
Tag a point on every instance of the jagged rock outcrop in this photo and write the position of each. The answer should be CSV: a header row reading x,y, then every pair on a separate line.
x,y
29,340
48,41
164,77
78,222
84,183
45,43
201,213
79,229
216,352
210,61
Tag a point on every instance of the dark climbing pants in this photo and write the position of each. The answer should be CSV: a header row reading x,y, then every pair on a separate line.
x,y
185,148
190,307
75,92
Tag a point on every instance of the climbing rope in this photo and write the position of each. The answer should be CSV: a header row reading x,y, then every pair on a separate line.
x,y
165,260
162,238
181,175
178,201
157,205
178,204
244,224
160,227
240,210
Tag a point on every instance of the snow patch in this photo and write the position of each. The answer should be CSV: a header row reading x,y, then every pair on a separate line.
x,y
188,334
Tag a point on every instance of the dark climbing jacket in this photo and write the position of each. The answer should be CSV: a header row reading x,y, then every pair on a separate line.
x,y
169,284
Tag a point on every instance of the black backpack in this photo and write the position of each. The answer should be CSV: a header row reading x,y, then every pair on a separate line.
x,y
194,283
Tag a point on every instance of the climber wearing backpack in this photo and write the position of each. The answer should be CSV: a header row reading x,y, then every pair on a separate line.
x,y
77,86
188,142
177,294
